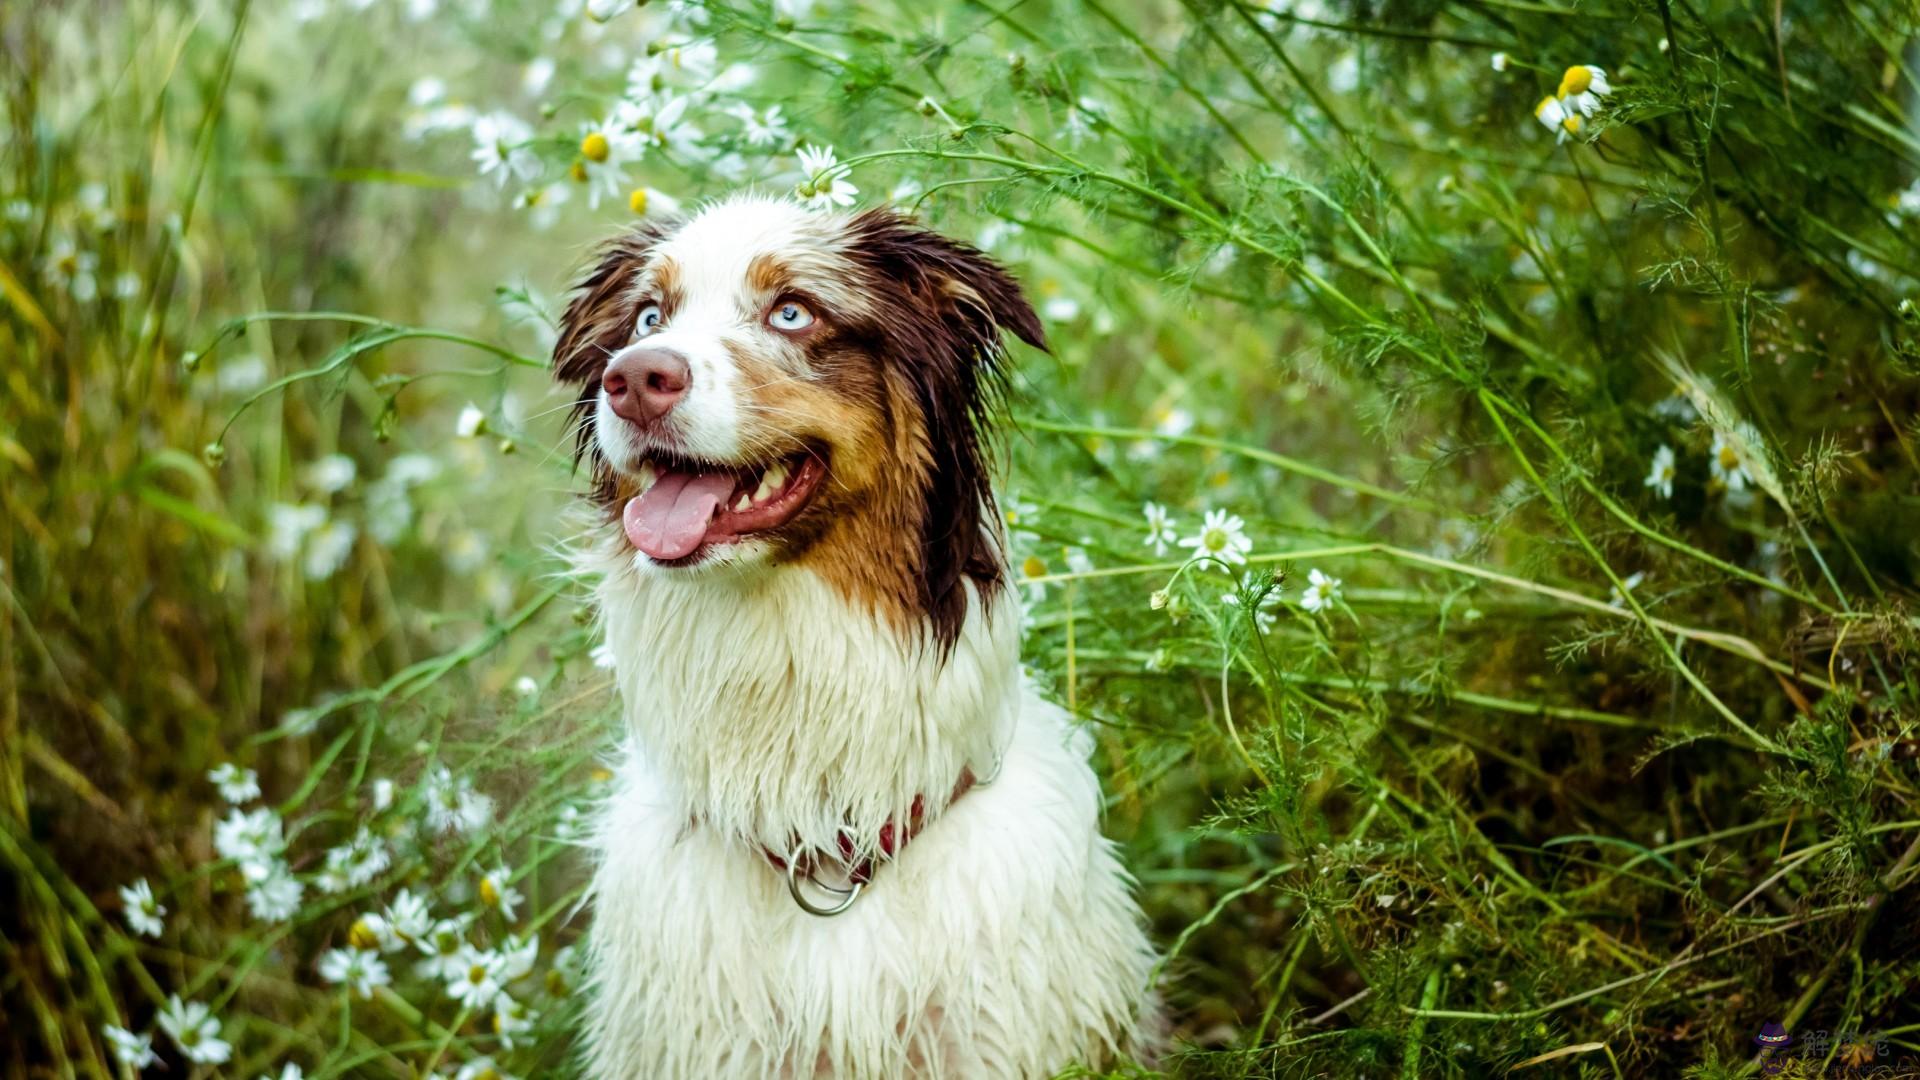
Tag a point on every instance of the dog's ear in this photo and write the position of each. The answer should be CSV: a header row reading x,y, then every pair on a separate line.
x,y
598,322
948,307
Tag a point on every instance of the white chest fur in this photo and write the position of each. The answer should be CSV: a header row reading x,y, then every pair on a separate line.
x,y
1002,942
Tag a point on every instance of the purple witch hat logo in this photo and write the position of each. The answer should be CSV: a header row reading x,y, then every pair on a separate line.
x,y
1773,1035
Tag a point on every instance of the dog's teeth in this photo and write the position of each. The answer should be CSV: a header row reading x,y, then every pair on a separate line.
x,y
647,475
744,502
774,480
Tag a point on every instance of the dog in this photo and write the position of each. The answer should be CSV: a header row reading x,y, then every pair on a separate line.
x,y
845,837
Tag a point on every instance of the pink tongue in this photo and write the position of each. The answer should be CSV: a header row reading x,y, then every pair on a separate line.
x,y
669,520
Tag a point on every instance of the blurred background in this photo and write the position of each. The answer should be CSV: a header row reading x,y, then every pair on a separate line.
x,y
1471,495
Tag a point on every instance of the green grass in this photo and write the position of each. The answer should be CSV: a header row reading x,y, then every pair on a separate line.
x,y
1570,775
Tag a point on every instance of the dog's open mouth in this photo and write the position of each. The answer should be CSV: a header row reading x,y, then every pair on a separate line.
x,y
681,505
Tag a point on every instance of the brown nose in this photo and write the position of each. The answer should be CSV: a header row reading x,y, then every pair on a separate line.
x,y
643,385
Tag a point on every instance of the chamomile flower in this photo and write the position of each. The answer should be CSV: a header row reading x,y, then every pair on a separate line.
x,y
1582,87
372,932
1033,571
476,981
251,840
482,1068
1725,464
501,148
288,525
472,422
824,185
496,891
409,916
1660,473
1161,530
355,863
236,785
602,162
1499,61
511,1020
671,65
194,1029
651,200
1555,116
144,913
453,805
289,1071
359,970
72,269
1222,537
328,550
1321,591
767,128
331,475
518,954
276,896
444,945
133,1051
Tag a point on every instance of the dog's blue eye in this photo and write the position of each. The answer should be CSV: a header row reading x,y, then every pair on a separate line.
x,y
790,316
648,322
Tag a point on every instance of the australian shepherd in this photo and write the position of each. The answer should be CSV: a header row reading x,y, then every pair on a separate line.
x,y
846,839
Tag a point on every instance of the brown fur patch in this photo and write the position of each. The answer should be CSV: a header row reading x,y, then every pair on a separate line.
x,y
900,373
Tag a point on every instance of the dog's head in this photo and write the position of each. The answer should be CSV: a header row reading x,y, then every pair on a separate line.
x,y
762,385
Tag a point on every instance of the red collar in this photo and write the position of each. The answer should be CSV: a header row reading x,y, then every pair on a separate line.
x,y
893,840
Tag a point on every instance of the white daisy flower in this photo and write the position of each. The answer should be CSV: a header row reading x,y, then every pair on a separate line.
x,y
72,269
357,969
1500,61
472,422
501,148
767,128
329,549
1161,530
133,1051
824,185
453,805
409,915
1222,536
382,794
289,1071
372,932
1556,117
482,1068
445,947
236,785
496,891
355,862
194,1029
511,1020
645,200
332,474
251,839
1321,591
276,896
518,954
476,980
289,524
1660,473
681,65
1728,470
1582,87
143,912
602,163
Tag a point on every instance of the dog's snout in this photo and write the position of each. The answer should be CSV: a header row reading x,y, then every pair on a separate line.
x,y
643,385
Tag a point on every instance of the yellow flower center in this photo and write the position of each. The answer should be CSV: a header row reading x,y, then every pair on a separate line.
x,y
578,172
1728,459
362,936
637,201
477,974
1576,81
1034,566
489,893
1545,104
1572,123
1215,540
595,147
